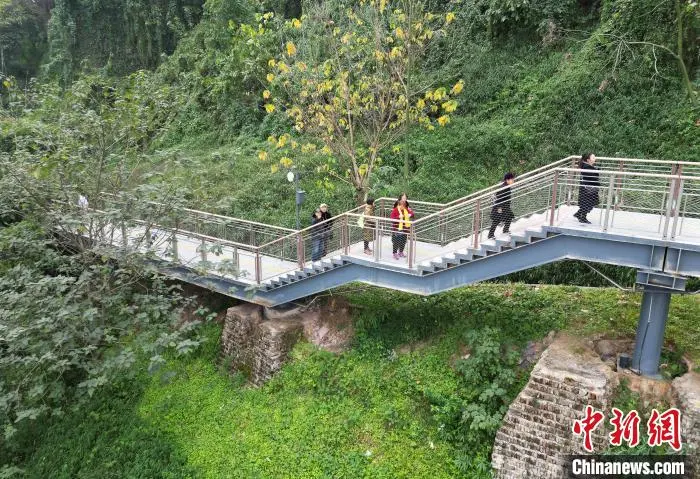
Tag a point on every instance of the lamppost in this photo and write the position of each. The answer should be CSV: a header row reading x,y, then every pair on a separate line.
x,y
293,176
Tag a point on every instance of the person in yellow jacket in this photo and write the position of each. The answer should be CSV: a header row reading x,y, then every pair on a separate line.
x,y
403,214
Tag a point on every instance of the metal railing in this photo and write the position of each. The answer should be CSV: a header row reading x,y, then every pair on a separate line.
x,y
668,191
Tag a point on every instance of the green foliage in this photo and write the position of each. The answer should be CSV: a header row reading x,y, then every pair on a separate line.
x,y
627,400
575,273
69,325
373,411
526,104
346,80
640,20
353,415
501,17
672,364
72,324
22,37
89,137
216,74
488,383
120,35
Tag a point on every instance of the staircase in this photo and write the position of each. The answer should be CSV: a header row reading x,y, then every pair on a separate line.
x,y
316,268
450,260
485,249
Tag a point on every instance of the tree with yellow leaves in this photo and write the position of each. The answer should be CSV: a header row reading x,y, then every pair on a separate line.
x,y
342,81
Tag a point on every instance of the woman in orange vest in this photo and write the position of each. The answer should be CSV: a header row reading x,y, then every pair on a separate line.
x,y
403,213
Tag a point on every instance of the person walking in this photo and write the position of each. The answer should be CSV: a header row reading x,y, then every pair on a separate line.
x,y
317,234
502,211
326,228
403,214
82,202
368,225
588,188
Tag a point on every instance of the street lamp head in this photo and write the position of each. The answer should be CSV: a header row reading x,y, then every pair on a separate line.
x,y
290,176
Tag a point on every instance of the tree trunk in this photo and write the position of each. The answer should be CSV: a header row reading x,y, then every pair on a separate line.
x,y
361,194
679,45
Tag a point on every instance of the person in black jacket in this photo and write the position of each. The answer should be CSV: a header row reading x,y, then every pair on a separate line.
x,y
588,188
327,228
316,236
502,211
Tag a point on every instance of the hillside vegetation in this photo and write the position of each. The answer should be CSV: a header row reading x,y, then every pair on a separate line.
x,y
187,102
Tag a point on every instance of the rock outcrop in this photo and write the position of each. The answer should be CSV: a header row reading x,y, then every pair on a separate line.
x,y
256,340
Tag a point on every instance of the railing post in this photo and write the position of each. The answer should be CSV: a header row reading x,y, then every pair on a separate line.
x,y
554,198
570,180
476,224
411,248
345,235
677,203
258,266
377,240
300,251
203,251
441,227
620,185
672,202
236,260
611,187
173,244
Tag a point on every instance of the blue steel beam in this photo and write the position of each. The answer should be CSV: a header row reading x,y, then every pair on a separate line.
x,y
588,248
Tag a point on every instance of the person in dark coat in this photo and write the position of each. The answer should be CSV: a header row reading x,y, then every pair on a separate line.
x,y
317,235
502,211
588,188
368,225
327,228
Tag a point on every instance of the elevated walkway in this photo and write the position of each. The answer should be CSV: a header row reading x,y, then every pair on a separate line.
x,y
648,218
649,212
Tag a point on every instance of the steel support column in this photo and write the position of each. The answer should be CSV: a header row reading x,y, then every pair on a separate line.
x,y
657,291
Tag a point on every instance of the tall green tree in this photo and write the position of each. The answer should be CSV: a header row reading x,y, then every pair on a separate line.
x,y
70,323
342,80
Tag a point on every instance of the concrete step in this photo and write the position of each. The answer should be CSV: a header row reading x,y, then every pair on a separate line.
x,y
425,269
464,256
438,265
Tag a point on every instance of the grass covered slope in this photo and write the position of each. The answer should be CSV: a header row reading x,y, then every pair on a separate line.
x,y
390,407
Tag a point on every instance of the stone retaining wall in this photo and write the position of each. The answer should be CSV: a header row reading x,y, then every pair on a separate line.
x,y
686,395
256,347
256,340
536,432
